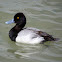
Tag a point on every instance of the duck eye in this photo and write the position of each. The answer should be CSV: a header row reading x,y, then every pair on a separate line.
x,y
17,17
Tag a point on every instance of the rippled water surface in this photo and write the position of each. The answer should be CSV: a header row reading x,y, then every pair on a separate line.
x,y
45,15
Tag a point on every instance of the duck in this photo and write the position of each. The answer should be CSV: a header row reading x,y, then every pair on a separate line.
x,y
27,35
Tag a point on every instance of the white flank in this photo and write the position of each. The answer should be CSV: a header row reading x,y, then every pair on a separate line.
x,y
29,36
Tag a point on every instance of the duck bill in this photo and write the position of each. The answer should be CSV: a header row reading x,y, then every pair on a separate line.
x,y
10,21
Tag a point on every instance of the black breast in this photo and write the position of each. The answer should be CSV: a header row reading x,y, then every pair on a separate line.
x,y
13,34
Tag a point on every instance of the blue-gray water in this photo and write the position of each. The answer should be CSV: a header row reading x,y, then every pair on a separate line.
x,y
45,15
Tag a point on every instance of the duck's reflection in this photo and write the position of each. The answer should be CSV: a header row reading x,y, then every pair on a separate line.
x,y
25,51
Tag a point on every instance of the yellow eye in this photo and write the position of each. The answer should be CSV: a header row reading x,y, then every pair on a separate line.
x,y
17,17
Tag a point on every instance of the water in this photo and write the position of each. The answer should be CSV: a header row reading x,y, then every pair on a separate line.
x,y
45,15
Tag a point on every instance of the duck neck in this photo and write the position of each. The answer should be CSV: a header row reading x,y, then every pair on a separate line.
x,y
19,26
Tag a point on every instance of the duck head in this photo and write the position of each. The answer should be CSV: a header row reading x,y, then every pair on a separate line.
x,y
19,18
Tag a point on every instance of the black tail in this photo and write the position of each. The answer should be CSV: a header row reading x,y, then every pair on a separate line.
x,y
47,37
50,38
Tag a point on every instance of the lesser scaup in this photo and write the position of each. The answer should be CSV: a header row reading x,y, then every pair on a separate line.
x,y
26,35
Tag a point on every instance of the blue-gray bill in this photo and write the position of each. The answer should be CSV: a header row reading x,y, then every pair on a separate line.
x,y
10,21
